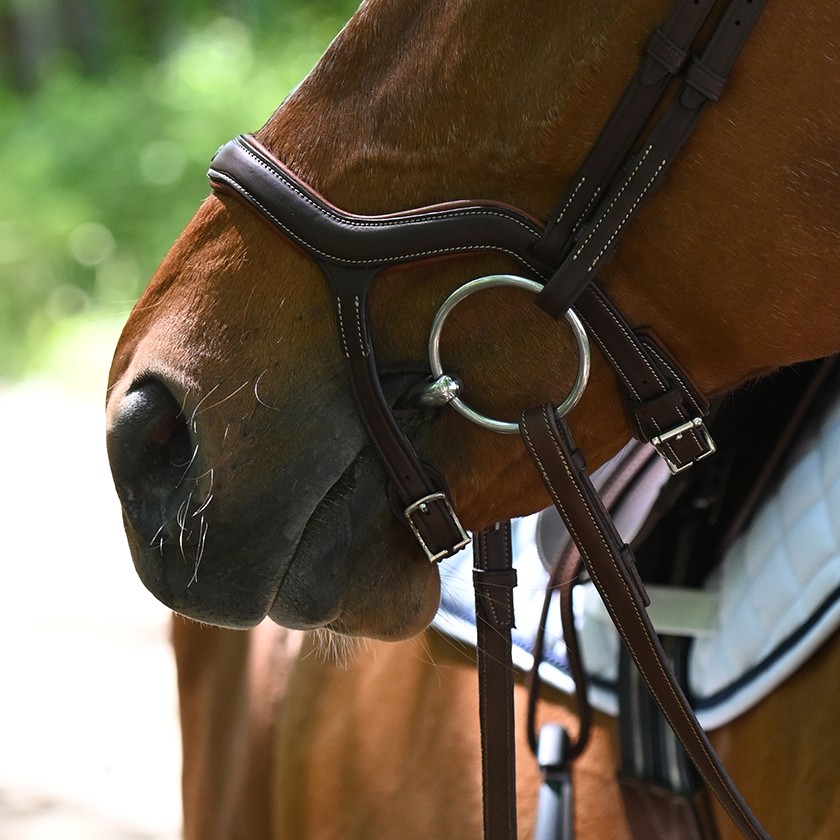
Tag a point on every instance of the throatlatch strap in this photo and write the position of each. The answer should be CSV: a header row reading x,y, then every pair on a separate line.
x,y
494,578
612,568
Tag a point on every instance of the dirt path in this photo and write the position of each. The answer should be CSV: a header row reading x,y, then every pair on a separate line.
x,y
88,731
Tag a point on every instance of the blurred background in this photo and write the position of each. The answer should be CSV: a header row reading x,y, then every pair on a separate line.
x,y
109,113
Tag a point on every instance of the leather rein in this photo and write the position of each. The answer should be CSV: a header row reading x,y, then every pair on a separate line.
x,y
561,260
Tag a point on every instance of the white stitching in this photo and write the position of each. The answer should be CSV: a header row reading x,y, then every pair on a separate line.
x,y
280,176
700,444
616,366
647,638
362,347
379,260
605,213
679,379
641,356
568,204
619,627
586,210
341,329
627,216
594,522
683,417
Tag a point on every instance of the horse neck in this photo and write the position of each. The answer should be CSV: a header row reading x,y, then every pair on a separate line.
x,y
416,103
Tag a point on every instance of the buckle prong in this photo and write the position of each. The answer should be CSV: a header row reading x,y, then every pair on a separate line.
x,y
422,505
701,435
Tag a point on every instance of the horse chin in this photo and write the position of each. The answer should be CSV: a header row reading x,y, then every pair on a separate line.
x,y
355,572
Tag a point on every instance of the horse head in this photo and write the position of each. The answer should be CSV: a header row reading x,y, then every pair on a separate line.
x,y
248,483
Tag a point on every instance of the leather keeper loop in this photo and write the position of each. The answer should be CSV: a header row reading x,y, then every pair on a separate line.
x,y
666,57
495,590
701,79
651,416
628,559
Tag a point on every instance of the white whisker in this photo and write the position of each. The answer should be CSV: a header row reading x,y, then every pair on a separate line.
x,y
203,528
198,404
209,496
219,402
158,533
334,647
257,394
181,519
245,314
188,467
184,403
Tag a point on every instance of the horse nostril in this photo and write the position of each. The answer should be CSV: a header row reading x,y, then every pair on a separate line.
x,y
150,450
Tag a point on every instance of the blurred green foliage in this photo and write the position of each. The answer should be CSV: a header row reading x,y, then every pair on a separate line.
x,y
103,160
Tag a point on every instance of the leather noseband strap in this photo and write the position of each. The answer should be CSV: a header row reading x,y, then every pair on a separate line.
x,y
351,250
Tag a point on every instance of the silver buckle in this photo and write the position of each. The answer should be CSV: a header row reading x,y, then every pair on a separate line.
x,y
698,427
422,506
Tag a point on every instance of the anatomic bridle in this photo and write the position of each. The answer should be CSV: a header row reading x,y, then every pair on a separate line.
x,y
561,260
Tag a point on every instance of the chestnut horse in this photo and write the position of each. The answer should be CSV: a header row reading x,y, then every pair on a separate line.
x,y
249,488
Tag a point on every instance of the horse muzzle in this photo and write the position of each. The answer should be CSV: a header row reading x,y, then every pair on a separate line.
x,y
218,533
166,490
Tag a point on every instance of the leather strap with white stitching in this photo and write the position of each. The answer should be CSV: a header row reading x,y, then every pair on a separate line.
x,y
495,578
611,566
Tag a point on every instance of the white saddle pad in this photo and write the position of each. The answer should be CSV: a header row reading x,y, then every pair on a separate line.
x,y
767,608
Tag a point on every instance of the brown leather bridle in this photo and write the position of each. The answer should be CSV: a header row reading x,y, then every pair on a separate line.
x,y
564,256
